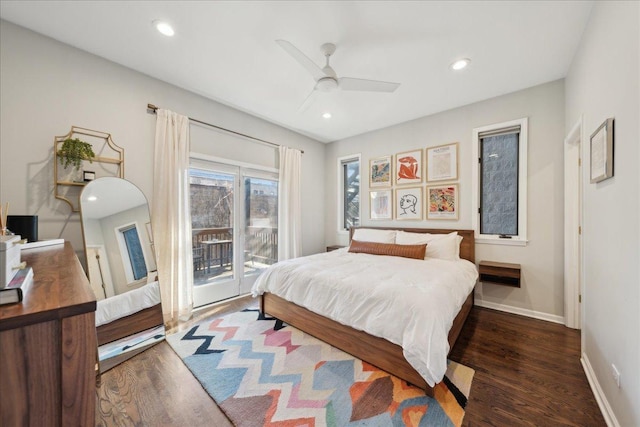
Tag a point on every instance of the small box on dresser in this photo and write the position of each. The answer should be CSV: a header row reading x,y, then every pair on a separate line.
x,y
9,258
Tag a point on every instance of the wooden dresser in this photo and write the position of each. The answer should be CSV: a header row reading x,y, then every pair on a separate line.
x,y
48,345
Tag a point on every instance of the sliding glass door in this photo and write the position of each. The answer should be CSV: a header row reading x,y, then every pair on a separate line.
x,y
234,227
260,224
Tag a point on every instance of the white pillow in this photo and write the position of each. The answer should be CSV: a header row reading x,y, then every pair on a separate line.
x,y
407,238
460,238
443,246
376,236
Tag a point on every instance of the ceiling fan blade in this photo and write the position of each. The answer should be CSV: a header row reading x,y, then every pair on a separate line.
x,y
308,100
349,83
303,59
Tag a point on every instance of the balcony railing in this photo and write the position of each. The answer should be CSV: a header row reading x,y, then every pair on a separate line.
x,y
261,245
213,247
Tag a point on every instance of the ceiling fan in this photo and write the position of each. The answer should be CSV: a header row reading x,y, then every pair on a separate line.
x,y
326,78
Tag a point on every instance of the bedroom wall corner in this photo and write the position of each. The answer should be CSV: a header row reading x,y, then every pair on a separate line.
x,y
542,291
604,81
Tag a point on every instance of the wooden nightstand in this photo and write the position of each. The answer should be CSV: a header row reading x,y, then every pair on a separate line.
x,y
333,247
501,273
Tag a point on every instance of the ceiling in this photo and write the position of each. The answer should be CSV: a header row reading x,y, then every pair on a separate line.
x,y
108,196
226,51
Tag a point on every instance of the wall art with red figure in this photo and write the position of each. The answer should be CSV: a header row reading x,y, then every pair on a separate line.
x,y
409,168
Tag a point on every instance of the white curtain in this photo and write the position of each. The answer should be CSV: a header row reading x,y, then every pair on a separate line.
x,y
289,212
171,218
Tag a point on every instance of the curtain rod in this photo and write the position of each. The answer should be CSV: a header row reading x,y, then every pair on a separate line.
x,y
153,109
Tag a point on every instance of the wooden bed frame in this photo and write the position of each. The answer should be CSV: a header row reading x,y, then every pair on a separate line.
x,y
123,327
376,351
129,325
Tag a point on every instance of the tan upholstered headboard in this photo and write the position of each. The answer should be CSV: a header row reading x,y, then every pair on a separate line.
x,y
467,246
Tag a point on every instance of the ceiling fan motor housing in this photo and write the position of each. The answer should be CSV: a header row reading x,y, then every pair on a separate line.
x,y
327,84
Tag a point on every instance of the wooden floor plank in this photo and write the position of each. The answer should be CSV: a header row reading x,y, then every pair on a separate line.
x,y
528,373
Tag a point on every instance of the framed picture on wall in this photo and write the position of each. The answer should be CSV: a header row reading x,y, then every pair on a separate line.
x,y
380,204
408,203
409,167
601,149
442,201
380,172
442,162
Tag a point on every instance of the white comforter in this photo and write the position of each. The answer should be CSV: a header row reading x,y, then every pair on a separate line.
x,y
126,304
409,302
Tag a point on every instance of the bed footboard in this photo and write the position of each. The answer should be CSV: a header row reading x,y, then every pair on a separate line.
x,y
374,350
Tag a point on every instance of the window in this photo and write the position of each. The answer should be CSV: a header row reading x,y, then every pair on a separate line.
x,y
500,180
131,251
348,192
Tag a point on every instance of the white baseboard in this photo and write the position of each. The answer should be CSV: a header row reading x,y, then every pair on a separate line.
x,y
521,311
603,403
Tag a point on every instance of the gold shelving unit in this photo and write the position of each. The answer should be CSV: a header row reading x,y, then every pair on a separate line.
x,y
109,161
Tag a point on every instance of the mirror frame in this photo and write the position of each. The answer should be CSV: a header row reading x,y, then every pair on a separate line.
x,y
132,329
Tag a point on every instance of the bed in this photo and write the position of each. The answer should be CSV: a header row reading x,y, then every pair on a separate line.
x,y
128,323
350,336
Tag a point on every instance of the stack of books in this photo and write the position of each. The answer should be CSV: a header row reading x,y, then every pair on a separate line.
x,y
15,289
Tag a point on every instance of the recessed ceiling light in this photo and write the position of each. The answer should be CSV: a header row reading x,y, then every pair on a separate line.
x,y
92,198
460,64
164,28
327,115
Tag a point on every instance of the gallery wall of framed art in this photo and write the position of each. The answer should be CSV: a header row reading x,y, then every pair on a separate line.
x,y
415,185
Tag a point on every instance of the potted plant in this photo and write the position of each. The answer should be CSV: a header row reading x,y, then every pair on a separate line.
x,y
74,151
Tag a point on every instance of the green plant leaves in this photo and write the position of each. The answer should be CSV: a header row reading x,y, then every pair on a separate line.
x,y
74,151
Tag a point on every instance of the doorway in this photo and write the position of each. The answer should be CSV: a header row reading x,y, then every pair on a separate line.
x,y
573,181
234,220
99,272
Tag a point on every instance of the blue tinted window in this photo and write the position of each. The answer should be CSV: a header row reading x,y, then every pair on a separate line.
x,y
134,248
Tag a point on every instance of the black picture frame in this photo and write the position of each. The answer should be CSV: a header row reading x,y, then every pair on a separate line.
x,y
88,176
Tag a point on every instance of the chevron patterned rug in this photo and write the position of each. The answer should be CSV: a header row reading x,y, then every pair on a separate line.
x,y
260,376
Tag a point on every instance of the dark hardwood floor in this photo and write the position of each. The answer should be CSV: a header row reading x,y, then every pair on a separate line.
x,y
528,373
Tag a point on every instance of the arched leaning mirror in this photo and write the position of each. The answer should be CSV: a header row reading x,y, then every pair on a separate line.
x,y
121,267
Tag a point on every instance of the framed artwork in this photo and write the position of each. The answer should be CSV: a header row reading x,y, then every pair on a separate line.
x,y
408,203
409,167
601,148
88,175
380,204
442,162
442,201
380,172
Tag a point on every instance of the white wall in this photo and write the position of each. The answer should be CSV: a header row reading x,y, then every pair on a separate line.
x,y
604,81
46,87
542,259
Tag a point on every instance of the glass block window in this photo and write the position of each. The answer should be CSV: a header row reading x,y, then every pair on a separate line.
x,y
499,184
499,200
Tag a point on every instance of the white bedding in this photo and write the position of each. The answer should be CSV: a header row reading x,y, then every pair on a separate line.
x,y
409,302
127,303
